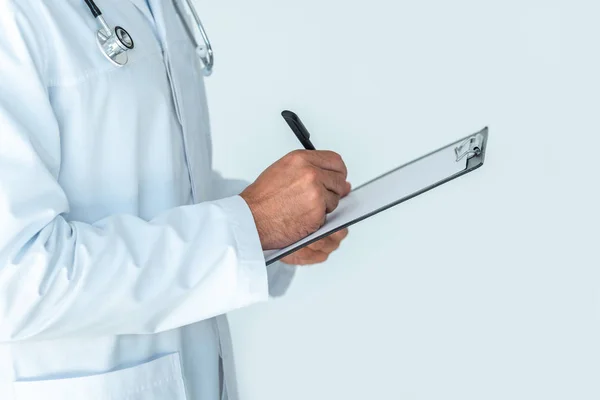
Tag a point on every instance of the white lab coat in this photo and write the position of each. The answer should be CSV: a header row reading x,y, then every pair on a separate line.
x,y
118,243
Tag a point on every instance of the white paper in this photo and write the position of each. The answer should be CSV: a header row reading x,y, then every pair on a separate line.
x,y
384,191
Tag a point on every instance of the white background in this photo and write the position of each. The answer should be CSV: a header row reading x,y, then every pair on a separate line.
x,y
485,288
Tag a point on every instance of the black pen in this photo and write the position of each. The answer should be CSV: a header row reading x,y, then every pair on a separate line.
x,y
298,128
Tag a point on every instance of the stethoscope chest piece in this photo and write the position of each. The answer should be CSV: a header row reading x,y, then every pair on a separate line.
x,y
114,45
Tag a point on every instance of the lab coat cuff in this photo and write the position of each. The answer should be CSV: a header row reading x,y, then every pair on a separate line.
x,y
252,266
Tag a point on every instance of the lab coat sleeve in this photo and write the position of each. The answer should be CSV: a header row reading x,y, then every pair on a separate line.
x,y
121,275
280,275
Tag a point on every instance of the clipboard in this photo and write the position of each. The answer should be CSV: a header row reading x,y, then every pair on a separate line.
x,y
397,186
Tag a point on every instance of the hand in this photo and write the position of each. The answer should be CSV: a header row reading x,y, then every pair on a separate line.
x,y
318,251
291,198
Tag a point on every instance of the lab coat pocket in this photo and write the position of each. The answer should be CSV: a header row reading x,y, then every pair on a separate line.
x,y
160,379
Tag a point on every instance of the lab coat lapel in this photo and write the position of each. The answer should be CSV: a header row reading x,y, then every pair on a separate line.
x,y
142,5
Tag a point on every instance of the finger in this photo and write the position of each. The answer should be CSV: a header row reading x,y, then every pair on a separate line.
x,y
308,256
326,245
332,200
339,235
330,243
333,181
327,160
348,190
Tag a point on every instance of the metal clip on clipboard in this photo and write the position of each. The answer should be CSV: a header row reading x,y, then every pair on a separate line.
x,y
397,186
470,147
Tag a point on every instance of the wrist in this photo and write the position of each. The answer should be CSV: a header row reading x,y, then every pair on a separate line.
x,y
259,219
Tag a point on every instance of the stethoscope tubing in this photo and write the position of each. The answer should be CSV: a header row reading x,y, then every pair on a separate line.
x,y
93,8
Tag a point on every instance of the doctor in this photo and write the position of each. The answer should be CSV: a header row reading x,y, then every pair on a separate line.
x,y
120,248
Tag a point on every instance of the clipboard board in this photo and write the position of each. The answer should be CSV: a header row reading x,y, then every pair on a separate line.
x,y
397,186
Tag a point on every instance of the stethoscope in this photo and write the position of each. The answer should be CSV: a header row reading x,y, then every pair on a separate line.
x,y
115,43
